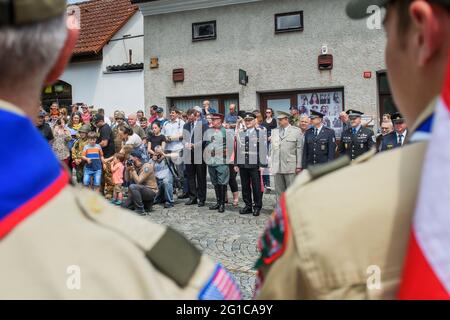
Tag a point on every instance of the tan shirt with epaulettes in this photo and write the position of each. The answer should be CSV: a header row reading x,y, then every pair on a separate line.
x,y
346,226
78,246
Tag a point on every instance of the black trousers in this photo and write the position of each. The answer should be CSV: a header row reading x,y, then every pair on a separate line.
x,y
197,181
139,197
251,181
233,183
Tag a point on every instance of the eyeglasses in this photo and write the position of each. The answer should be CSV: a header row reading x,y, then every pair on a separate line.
x,y
268,112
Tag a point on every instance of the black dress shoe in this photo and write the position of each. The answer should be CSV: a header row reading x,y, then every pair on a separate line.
x,y
201,204
246,210
184,196
221,208
214,207
257,212
190,202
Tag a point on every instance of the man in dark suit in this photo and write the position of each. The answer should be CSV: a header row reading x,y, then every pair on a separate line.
x,y
397,137
250,156
357,139
320,142
193,132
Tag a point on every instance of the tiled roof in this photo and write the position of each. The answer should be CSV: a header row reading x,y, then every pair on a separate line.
x,y
100,20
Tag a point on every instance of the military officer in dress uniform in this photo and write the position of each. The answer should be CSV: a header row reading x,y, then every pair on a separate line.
x,y
285,153
397,137
357,139
218,142
315,249
58,241
320,142
250,156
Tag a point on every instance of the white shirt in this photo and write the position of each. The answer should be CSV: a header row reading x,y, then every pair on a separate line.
x,y
134,140
173,128
318,129
403,136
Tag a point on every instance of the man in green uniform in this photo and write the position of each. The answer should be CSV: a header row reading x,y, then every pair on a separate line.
x,y
217,159
77,151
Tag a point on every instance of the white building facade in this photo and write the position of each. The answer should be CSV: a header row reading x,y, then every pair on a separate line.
x,y
92,83
282,67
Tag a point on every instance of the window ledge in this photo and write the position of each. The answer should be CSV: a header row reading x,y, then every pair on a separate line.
x,y
122,71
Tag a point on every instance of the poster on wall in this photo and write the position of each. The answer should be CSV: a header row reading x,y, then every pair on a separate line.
x,y
330,103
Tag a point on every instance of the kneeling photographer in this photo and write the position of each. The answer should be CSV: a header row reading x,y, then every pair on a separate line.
x,y
143,187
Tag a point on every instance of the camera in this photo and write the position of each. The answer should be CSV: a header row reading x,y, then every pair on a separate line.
x,y
130,163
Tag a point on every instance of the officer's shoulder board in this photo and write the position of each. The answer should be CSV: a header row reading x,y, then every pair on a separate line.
x,y
154,240
273,242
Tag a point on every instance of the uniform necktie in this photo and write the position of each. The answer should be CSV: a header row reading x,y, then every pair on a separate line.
x,y
282,132
316,132
400,139
354,131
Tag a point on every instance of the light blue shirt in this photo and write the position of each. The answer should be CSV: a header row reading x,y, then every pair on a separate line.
x,y
162,171
357,129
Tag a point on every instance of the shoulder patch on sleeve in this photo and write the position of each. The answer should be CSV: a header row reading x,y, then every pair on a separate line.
x,y
273,242
175,257
220,286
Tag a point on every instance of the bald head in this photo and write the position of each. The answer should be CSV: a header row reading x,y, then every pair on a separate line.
x,y
132,118
304,122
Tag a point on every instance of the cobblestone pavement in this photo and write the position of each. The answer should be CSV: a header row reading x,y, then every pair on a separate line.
x,y
229,238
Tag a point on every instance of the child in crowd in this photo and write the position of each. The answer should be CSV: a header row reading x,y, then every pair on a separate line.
x,y
117,169
93,155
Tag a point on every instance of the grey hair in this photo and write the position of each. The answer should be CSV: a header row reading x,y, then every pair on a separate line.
x,y
29,52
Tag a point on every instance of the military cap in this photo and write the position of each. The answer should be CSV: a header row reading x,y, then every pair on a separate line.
x,y
249,116
119,115
143,119
23,12
357,9
85,128
397,118
316,114
282,115
217,116
242,114
354,113
160,110
137,154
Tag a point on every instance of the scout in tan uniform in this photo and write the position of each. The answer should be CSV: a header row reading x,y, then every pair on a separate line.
x,y
352,245
57,241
